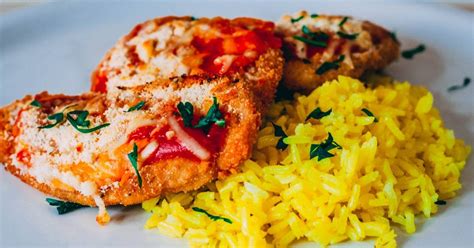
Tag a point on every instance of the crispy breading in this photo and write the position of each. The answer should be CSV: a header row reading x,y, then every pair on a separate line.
x,y
372,49
165,176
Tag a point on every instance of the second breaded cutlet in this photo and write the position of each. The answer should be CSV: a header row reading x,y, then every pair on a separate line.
x,y
318,48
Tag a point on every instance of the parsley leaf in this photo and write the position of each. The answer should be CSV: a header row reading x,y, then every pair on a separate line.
x,y
393,35
344,20
138,106
316,36
213,116
327,66
368,113
293,20
321,151
63,207
280,133
318,114
410,53
466,82
186,111
35,103
440,202
81,118
80,123
58,117
347,36
310,42
133,157
212,217
314,15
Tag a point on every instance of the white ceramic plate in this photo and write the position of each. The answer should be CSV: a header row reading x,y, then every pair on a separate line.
x,y
55,47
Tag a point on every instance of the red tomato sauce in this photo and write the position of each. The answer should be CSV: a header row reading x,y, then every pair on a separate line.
x,y
236,41
169,148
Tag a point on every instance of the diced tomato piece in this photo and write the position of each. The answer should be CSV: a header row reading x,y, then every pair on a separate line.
x,y
24,157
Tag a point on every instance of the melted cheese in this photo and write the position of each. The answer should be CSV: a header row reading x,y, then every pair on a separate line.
x,y
188,141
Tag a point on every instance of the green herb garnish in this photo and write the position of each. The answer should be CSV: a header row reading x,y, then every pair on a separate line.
x,y
35,103
212,217
138,106
318,114
326,66
186,111
193,18
317,36
409,54
393,35
347,36
368,113
133,157
310,41
322,150
280,133
465,83
307,61
344,20
80,123
64,207
58,117
314,15
440,202
213,115
293,20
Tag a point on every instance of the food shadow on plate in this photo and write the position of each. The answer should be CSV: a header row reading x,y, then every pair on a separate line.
x,y
120,214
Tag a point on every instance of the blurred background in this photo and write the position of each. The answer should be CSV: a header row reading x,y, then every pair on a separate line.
x,y
10,5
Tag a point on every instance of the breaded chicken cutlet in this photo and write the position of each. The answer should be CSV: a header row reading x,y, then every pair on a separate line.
x,y
240,49
318,48
130,145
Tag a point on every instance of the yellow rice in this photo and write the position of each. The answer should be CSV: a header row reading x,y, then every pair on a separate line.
x,y
388,172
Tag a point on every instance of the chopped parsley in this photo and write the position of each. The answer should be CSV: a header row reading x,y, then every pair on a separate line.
x,y
58,118
193,18
347,36
133,157
314,15
212,217
393,35
327,66
344,20
186,111
440,202
280,133
318,39
465,83
63,207
213,115
368,113
293,20
138,106
318,36
321,151
318,114
80,123
410,53
307,61
310,41
35,103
